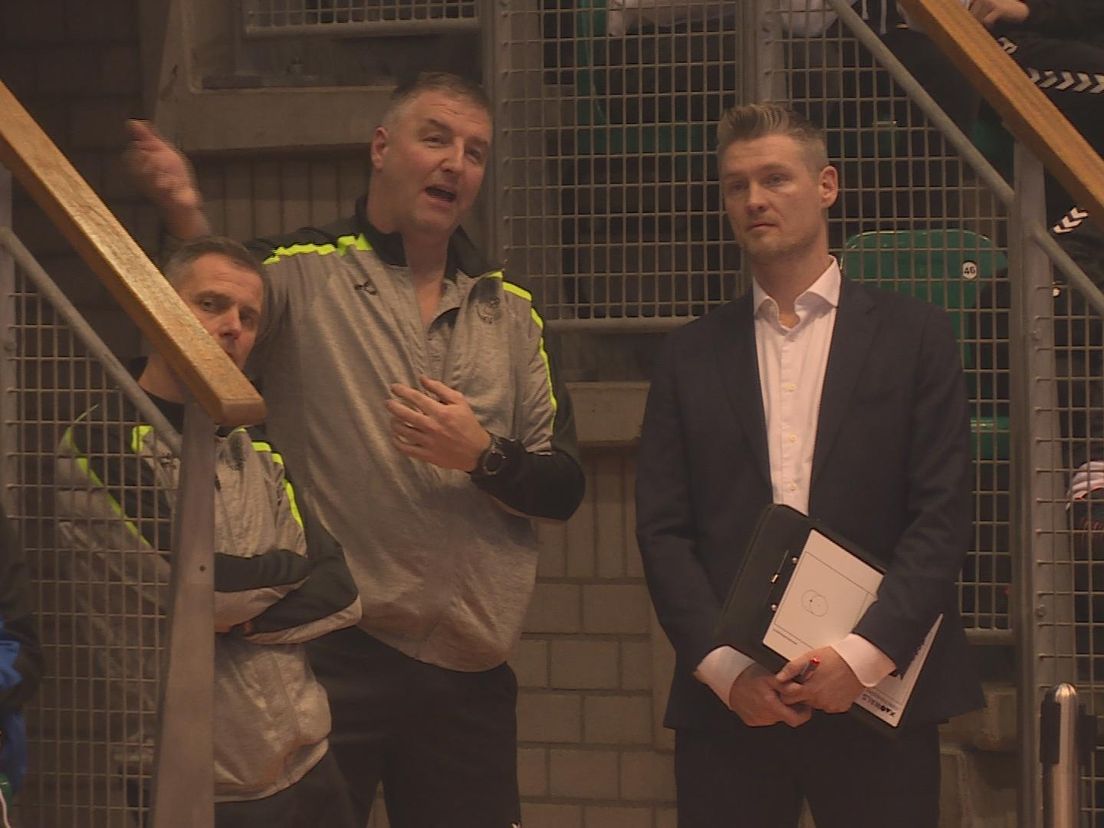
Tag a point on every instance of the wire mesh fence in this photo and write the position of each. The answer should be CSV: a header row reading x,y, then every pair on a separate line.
x,y
354,17
93,722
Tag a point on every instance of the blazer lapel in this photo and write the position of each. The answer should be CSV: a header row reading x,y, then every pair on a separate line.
x,y
851,342
738,365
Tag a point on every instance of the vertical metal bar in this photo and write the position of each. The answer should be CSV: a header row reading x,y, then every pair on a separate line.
x,y
183,795
1060,756
764,74
1045,616
494,47
9,429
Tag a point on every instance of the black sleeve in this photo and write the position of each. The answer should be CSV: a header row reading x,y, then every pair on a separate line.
x,y
326,601
547,484
18,631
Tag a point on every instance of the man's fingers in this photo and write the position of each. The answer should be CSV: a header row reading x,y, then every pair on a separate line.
x,y
796,716
442,391
418,399
791,670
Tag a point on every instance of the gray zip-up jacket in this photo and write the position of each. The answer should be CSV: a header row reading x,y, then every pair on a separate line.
x,y
116,491
445,573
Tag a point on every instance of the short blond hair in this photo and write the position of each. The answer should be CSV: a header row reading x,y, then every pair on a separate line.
x,y
751,121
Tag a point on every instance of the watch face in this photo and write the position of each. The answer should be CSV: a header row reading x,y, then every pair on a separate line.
x,y
493,459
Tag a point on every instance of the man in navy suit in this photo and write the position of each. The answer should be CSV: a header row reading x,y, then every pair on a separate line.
x,y
846,403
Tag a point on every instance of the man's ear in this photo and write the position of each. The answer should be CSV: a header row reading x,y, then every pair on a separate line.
x,y
379,146
828,184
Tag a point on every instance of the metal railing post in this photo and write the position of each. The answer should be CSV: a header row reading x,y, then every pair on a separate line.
x,y
1060,750
1044,613
183,795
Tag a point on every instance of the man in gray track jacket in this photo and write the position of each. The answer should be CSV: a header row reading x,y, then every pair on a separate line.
x,y
280,579
411,387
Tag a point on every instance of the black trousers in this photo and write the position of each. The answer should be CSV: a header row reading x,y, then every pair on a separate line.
x,y
851,776
442,742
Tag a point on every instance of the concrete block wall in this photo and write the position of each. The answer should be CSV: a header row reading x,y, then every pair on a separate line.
x,y
591,750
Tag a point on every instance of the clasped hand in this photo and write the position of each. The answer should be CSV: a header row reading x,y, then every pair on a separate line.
x,y
438,427
760,698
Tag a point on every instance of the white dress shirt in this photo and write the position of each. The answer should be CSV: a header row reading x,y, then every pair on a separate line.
x,y
792,363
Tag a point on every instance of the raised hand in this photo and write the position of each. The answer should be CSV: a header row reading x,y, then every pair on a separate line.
x,y
164,176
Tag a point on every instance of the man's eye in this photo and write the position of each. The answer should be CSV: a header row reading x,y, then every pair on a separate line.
x,y
436,140
476,156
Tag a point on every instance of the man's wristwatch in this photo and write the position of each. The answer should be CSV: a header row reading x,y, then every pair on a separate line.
x,y
492,460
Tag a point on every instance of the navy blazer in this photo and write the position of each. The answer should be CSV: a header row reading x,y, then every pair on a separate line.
x,y
891,472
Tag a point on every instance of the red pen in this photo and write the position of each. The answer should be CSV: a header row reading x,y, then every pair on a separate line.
x,y
807,670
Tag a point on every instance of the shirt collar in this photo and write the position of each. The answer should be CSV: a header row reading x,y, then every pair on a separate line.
x,y
824,291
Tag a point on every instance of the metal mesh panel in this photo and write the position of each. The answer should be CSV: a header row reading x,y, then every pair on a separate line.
x,y
335,17
92,723
607,181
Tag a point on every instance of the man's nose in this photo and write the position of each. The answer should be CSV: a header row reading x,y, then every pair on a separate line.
x,y
232,325
454,157
756,198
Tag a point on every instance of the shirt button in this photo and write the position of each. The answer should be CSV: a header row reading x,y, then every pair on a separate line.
x,y
792,438
789,386
792,487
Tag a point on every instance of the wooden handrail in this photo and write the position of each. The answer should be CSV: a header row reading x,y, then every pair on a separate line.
x,y
1025,110
137,285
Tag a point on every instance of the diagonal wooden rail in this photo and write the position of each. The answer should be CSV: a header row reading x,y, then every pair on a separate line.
x,y
137,285
1023,107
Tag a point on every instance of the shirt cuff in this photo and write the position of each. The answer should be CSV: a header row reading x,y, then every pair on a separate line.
x,y
869,664
720,668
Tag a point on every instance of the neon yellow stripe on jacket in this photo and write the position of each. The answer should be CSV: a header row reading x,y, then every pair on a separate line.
x,y
266,448
358,242
517,290
83,464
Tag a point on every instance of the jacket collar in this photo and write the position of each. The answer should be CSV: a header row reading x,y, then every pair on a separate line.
x,y
462,254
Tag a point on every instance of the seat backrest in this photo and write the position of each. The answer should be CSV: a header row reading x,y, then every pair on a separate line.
x,y
943,267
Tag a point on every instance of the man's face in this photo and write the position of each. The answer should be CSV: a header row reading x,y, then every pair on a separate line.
x,y
775,198
428,165
226,299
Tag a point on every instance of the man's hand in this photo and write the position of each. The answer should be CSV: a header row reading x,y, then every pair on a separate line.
x,y
439,429
832,687
164,176
992,12
754,697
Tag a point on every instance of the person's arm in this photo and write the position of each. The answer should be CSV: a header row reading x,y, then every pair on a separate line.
x,y
164,176
921,573
326,601
540,474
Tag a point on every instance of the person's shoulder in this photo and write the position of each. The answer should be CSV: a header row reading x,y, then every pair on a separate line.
x,y
335,237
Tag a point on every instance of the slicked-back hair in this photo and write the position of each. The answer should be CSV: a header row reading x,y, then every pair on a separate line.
x,y
751,121
179,265
446,83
